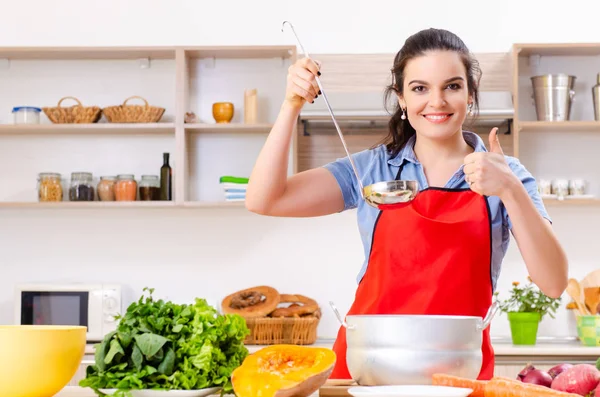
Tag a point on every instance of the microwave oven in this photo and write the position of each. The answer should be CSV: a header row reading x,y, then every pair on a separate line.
x,y
90,305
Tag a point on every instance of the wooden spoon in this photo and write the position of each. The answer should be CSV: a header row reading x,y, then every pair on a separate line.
x,y
574,290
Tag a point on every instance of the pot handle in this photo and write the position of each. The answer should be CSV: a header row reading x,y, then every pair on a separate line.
x,y
489,316
339,317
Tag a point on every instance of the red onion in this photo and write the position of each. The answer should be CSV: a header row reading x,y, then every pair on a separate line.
x,y
558,369
525,371
538,377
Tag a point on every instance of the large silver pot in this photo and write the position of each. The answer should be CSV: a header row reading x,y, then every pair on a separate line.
x,y
408,349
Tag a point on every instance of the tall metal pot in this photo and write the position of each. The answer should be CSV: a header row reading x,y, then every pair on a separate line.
x,y
409,349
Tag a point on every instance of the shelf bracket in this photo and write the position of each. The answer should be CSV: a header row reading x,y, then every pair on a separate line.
x,y
305,128
144,63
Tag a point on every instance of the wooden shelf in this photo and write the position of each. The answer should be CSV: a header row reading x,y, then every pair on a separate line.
x,y
89,204
93,128
230,127
572,202
237,52
547,126
86,53
559,49
119,204
214,204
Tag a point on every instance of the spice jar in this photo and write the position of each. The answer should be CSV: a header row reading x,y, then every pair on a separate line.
x,y
81,187
577,187
560,187
106,188
149,188
125,188
50,187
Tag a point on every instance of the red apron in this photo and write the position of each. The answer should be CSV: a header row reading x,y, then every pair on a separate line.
x,y
430,256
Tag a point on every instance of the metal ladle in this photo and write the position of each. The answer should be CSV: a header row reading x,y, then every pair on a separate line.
x,y
381,194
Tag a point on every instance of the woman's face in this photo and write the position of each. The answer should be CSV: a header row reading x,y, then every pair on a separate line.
x,y
435,95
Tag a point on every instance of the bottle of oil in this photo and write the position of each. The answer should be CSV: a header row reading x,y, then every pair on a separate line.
x,y
166,179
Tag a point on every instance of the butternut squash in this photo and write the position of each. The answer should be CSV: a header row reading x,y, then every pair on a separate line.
x,y
283,371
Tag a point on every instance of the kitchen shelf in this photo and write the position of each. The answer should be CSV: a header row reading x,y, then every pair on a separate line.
x,y
572,202
229,127
92,128
560,126
89,204
240,52
558,49
119,204
214,204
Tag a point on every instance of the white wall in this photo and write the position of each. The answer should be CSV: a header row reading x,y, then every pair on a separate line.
x,y
187,253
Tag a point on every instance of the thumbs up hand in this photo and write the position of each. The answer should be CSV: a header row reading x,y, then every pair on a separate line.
x,y
488,173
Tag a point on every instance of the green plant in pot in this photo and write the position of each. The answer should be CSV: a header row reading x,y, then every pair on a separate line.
x,y
525,308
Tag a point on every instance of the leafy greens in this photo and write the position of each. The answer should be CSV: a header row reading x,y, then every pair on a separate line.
x,y
166,346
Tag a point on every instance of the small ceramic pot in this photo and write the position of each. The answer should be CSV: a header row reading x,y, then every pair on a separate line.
x,y
222,111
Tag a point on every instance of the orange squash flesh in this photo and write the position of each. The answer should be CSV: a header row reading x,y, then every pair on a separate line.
x,y
283,371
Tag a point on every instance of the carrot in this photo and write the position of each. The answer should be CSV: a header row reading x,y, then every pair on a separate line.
x,y
478,386
505,387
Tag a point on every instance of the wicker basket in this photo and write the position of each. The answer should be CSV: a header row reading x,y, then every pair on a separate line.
x,y
76,114
287,330
133,113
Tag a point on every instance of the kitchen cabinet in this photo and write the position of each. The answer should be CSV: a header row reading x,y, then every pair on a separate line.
x,y
178,79
539,144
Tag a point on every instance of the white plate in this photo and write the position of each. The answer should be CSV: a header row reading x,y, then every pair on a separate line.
x,y
409,391
168,393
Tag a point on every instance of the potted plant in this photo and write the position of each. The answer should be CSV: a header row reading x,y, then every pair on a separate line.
x,y
525,308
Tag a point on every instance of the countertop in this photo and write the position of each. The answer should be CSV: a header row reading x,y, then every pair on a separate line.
x,y
501,348
76,391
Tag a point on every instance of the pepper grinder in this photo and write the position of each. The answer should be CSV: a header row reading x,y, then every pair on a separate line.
x,y
596,96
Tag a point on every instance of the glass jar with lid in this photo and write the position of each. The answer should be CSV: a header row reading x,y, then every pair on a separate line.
x,y
125,188
149,188
50,187
106,188
81,187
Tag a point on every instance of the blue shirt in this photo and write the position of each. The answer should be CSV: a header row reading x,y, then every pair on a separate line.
x,y
377,165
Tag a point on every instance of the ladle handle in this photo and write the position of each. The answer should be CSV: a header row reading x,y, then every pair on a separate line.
x,y
337,127
339,317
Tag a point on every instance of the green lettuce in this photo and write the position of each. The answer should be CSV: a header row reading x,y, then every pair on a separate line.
x,y
166,346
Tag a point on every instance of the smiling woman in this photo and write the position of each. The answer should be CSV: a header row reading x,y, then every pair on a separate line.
x,y
441,253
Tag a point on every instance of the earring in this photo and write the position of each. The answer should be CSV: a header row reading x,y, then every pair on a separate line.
x,y
403,117
470,107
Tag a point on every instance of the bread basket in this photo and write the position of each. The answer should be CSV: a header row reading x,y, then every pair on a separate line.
x,y
133,113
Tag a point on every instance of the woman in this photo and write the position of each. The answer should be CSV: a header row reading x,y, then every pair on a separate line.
x,y
441,253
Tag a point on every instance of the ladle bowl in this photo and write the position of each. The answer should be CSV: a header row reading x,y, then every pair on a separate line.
x,y
390,193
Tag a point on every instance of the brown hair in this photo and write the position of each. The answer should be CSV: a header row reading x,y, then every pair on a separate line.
x,y
400,131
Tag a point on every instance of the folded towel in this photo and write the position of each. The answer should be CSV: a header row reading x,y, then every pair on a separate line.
x,y
233,179
243,191
235,199
235,195
229,185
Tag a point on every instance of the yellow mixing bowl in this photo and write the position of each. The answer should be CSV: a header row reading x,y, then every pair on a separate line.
x,y
39,360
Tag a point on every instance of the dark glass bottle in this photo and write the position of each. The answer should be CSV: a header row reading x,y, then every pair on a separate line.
x,y
166,179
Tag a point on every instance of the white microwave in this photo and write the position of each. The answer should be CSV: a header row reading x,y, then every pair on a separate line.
x,y
90,305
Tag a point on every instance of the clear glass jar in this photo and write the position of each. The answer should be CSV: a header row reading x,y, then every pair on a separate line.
x,y
81,187
50,187
150,188
125,188
106,188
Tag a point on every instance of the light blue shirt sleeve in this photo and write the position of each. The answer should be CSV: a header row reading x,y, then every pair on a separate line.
x,y
343,173
530,185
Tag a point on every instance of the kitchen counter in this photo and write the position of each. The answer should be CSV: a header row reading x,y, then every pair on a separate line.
x,y
501,348
76,391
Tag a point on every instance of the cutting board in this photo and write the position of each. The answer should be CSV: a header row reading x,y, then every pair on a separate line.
x,y
336,388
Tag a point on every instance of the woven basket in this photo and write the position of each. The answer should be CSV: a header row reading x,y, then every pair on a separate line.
x,y
133,113
286,330
77,114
